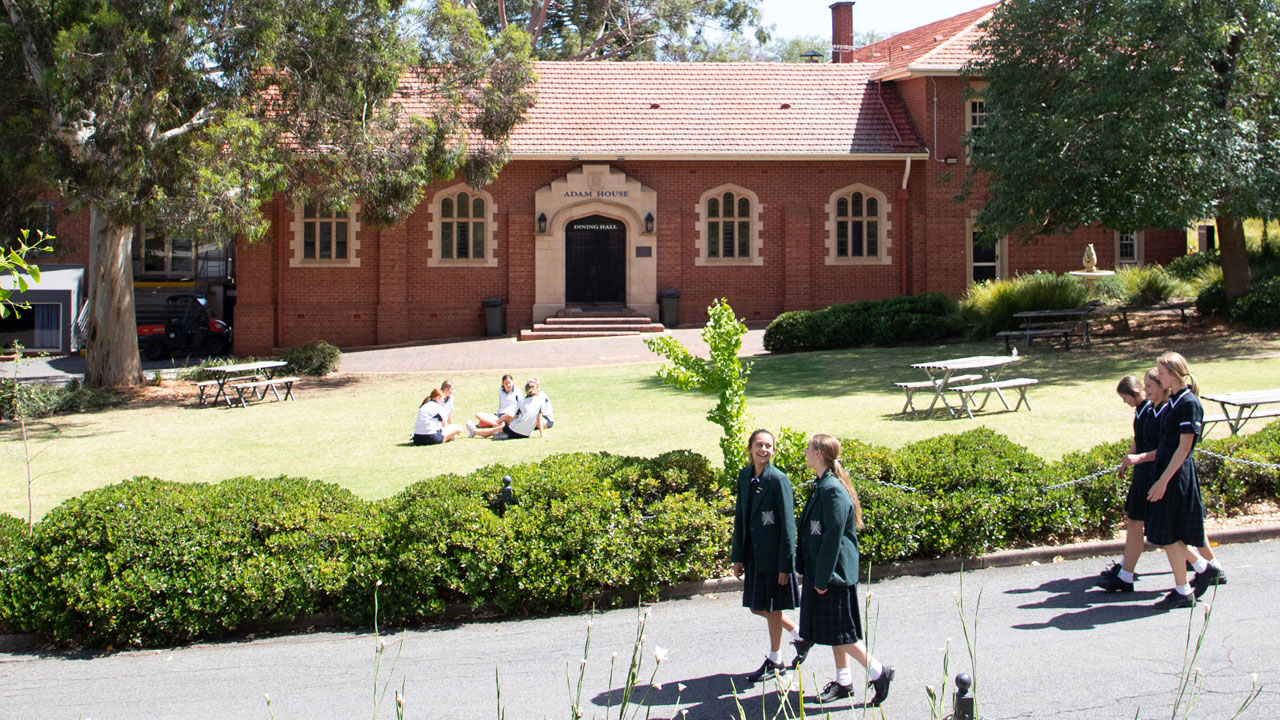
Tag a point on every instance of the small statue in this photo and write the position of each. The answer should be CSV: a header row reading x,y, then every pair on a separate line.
x,y
1090,258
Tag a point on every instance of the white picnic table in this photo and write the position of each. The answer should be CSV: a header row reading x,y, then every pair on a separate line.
x,y
1247,405
224,374
941,372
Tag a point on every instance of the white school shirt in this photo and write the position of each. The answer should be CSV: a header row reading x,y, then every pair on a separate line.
x,y
430,419
546,407
526,420
508,401
447,406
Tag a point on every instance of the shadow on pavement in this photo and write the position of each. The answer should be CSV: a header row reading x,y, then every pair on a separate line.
x,y
721,696
1096,606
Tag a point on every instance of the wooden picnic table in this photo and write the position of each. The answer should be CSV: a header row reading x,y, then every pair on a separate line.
x,y
940,373
1082,315
1248,405
223,374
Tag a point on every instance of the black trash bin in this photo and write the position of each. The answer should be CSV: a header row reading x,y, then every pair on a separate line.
x,y
495,323
669,307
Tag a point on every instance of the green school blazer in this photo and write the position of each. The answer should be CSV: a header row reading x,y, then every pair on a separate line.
x,y
765,518
828,536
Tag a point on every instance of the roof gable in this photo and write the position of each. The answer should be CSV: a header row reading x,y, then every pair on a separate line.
x,y
939,47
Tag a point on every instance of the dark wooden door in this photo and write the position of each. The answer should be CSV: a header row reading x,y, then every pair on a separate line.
x,y
595,261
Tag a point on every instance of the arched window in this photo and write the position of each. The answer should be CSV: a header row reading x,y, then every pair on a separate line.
x,y
729,226
463,227
857,225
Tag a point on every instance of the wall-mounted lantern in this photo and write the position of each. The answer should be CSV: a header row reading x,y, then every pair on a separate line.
x,y
542,223
648,223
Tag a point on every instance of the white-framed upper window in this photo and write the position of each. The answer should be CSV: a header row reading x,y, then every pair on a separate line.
x,y
857,226
975,116
729,227
1129,250
462,227
324,236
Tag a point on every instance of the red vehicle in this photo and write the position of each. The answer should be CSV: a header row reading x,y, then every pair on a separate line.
x,y
184,325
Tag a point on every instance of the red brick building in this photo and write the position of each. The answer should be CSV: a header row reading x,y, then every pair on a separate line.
x,y
777,186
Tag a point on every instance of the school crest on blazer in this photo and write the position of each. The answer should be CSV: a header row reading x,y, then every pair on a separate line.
x,y
815,527
767,518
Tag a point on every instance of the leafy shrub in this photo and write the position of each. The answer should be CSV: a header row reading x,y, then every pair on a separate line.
x,y
149,562
15,553
40,399
316,358
892,321
988,307
1189,267
978,459
1260,308
1148,285
1212,300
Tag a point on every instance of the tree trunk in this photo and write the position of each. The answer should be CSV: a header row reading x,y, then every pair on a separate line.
x,y
111,349
1234,257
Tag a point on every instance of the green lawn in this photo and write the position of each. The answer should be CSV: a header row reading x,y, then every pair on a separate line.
x,y
354,430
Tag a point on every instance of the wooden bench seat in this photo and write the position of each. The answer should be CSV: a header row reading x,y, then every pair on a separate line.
x,y
1209,421
967,392
258,389
1028,334
204,386
1179,307
911,388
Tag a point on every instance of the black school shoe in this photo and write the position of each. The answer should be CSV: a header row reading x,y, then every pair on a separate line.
x,y
1112,571
1222,574
881,686
1204,580
1175,600
1113,583
768,670
802,651
834,691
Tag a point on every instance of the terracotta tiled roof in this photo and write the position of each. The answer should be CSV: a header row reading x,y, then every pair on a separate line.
x,y
939,46
633,109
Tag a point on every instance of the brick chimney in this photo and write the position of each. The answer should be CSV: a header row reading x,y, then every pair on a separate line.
x,y
841,31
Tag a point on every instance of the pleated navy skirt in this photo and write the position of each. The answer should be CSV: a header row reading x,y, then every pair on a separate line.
x,y
831,618
762,593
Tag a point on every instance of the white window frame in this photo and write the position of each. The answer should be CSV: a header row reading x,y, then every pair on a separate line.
x,y
1138,249
971,115
199,253
353,241
436,257
883,225
1002,255
755,235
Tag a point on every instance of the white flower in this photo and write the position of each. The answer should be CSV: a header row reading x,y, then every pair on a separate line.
x,y
659,653
614,655
682,687
378,584
869,594
267,696
684,712
583,662
399,700
646,612
657,686
590,624
1197,671
1255,678
382,645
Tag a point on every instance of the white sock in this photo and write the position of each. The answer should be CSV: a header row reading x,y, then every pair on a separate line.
x,y
1126,576
795,635
1199,565
1214,562
844,676
1120,561
876,669
774,656
1183,589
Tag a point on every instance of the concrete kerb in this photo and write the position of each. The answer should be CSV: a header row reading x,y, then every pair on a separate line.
x,y
1004,558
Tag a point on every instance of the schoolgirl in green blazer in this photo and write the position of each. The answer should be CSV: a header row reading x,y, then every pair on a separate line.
x,y
764,549
828,559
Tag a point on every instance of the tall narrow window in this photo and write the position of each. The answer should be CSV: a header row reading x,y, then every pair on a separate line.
x,y
463,227
729,226
1129,250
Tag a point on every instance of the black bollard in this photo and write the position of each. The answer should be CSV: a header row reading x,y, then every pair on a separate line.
x,y
508,495
962,701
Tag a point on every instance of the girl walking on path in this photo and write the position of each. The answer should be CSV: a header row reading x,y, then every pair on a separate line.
x,y
828,559
764,551
1149,405
1175,511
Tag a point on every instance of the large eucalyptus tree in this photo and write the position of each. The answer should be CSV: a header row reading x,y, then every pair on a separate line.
x,y
1131,114
193,113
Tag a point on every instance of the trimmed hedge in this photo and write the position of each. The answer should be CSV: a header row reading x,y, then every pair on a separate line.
x,y
892,321
149,562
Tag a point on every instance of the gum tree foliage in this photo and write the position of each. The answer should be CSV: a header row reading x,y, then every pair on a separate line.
x,y
1131,114
191,114
724,376
619,29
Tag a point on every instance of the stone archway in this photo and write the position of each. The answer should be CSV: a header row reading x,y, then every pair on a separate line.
x,y
587,191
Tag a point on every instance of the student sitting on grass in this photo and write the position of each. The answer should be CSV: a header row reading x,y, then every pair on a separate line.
x,y
508,401
430,427
531,414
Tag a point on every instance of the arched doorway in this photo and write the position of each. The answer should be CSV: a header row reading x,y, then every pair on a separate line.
x,y
595,261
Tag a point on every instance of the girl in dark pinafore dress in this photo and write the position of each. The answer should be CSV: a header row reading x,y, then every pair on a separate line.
x,y
1175,511
764,551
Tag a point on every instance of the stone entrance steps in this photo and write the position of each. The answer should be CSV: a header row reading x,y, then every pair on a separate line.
x,y
591,322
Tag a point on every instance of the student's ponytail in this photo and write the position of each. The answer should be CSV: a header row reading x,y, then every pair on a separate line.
x,y
829,447
843,475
